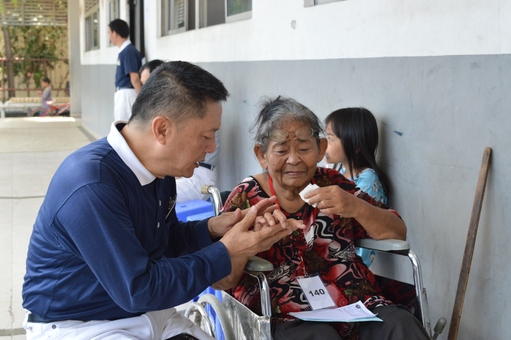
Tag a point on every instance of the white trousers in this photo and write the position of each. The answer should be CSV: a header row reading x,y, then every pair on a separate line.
x,y
149,326
123,101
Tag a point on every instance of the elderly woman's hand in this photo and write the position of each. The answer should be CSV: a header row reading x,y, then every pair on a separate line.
x,y
277,218
269,226
242,241
333,200
219,225
379,223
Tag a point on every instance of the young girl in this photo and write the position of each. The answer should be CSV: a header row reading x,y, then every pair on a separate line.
x,y
352,135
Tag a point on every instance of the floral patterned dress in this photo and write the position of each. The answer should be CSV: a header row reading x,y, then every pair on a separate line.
x,y
330,254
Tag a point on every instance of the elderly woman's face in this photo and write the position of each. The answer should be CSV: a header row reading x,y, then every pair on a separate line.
x,y
292,162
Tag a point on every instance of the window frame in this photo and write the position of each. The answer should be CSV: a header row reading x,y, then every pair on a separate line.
x,y
113,13
167,17
237,17
311,3
91,23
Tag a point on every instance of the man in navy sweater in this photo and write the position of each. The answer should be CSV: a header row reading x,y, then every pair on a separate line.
x,y
107,257
127,79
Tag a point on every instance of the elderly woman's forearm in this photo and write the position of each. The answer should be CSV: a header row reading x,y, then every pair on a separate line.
x,y
381,223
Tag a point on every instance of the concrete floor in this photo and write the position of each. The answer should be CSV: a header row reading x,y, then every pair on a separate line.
x,y
31,149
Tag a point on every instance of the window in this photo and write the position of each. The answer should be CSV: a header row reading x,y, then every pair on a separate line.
x,y
238,10
113,13
91,25
113,10
309,3
182,15
174,16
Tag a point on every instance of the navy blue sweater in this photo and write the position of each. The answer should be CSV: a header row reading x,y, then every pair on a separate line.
x,y
101,248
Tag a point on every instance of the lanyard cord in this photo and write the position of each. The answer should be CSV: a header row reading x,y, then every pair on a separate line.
x,y
272,191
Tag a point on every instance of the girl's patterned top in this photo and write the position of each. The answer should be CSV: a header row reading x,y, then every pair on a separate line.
x,y
369,182
330,254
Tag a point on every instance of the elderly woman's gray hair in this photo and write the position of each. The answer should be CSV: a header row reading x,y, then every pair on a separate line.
x,y
276,112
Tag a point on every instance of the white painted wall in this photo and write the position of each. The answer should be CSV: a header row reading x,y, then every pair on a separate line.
x,y
286,30
439,72
347,29
106,54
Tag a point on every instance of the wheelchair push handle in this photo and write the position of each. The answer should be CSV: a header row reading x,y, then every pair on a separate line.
x,y
384,245
215,197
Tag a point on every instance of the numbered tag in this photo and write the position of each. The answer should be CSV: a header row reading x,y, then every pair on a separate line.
x,y
316,292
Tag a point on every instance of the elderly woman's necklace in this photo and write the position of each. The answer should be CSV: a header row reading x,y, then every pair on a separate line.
x,y
315,211
272,191
309,231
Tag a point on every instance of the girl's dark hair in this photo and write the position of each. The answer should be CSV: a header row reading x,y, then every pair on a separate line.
x,y
357,129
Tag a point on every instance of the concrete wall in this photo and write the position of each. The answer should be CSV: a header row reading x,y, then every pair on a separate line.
x,y
74,58
435,74
436,115
98,100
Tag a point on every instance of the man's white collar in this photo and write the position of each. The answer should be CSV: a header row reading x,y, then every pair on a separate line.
x,y
124,44
118,143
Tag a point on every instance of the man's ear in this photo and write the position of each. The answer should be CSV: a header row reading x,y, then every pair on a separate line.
x,y
261,156
162,129
323,144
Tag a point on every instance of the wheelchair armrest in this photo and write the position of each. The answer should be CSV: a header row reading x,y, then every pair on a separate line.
x,y
257,264
383,245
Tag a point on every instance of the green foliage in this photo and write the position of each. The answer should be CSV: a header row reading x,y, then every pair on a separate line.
x,y
36,42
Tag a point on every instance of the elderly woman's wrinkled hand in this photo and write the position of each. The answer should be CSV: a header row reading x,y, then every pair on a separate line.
x,y
244,241
277,219
334,200
219,225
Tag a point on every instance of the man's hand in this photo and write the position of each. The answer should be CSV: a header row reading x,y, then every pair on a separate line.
x,y
135,81
219,225
244,241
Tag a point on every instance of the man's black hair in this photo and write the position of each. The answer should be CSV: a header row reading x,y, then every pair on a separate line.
x,y
178,90
120,27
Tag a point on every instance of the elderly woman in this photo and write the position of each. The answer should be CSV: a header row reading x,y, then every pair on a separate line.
x,y
288,147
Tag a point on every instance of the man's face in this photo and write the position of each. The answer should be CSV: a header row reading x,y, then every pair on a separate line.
x,y
112,35
191,140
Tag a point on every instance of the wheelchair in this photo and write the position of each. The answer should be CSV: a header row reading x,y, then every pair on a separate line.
x,y
230,320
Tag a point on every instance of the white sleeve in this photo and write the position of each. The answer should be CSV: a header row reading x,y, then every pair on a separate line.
x,y
189,189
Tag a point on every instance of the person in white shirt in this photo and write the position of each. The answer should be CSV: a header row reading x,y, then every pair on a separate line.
x,y
189,189
127,80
